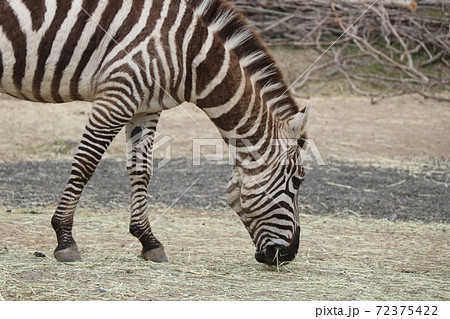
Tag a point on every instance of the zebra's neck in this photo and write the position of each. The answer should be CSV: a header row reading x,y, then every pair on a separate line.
x,y
234,78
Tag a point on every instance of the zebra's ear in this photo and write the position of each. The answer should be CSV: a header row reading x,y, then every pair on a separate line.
x,y
298,124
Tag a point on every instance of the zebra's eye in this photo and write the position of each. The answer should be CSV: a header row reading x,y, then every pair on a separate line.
x,y
301,142
297,181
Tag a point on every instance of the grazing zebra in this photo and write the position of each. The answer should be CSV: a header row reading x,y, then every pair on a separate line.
x,y
135,58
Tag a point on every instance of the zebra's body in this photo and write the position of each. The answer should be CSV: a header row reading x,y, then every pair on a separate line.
x,y
135,58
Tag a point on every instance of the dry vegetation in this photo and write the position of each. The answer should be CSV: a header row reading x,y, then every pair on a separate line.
x,y
212,259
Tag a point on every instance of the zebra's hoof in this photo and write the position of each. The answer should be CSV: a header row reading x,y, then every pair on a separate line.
x,y
157,255
69,254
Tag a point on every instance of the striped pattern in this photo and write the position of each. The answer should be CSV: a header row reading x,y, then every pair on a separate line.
x,y
134,59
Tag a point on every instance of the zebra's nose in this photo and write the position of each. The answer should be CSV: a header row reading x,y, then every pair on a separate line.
x,y
276,255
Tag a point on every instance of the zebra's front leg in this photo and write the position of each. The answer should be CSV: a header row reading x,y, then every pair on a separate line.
x,y
105,121
140,134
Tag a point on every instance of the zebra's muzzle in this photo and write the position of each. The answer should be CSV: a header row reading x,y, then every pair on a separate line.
x,y
276,255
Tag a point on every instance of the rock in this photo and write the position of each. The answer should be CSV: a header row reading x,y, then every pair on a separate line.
x,y
39,254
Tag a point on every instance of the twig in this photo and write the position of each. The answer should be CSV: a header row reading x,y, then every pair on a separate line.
x,y
396,184
339,185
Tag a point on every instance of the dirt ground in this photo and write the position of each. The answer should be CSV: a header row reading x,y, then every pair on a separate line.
x,y
336,188
346,128
374,217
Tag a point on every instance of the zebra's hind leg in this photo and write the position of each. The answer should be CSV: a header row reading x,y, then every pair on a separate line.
x,y
105,121
140,134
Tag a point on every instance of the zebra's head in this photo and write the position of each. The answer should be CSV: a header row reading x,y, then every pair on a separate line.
x,y
266,196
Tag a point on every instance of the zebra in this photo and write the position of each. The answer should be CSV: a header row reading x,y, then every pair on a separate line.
x,y
133,59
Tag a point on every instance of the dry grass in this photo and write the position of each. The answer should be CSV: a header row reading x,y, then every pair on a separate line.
x,y
341,258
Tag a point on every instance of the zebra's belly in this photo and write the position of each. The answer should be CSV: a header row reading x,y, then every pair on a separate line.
x,y
157,105
42,83
45,96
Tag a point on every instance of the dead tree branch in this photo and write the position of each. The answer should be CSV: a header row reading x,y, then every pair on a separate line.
x,y
411,37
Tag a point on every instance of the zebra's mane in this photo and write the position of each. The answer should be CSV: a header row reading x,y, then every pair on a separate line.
x,y
238,36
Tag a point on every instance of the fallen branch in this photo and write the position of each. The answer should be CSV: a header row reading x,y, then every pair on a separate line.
x,y
409,36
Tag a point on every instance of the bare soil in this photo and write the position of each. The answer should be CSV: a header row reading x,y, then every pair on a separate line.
x,y
344,128
335,189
